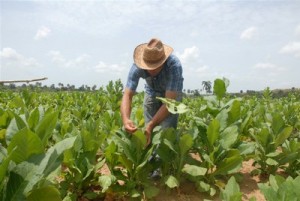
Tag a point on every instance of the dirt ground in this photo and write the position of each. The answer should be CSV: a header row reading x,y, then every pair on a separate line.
x,y
188,192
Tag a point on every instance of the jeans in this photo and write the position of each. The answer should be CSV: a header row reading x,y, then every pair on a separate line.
x,y
152,105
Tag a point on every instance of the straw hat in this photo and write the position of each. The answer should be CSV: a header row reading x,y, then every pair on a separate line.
x,y
152,55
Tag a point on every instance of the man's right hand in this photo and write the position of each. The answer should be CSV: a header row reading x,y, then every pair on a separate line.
x,y
129,126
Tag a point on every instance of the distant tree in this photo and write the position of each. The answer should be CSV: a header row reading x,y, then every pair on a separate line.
x,y
196,92
12,86
241,91
94,87
207,86
61,85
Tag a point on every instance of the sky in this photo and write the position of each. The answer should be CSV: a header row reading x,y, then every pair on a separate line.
x,y
253,43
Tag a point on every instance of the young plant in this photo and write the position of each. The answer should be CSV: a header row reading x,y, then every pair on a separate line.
x,y
279,188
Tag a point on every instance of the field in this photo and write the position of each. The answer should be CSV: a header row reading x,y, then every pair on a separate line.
x,y
70,145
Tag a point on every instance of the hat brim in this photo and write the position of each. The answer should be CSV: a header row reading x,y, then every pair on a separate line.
x,y
139,61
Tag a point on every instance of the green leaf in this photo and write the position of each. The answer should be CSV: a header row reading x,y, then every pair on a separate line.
x,y
234,112
269,193
49,163
283,135
185,143
228,137
230,164
33,119
151,191
219,88
202,186
14,191
47,193
46,125
106,181
246,148
277,122
172,182
231,191
194,170
25,143
174,106
14,126
213,131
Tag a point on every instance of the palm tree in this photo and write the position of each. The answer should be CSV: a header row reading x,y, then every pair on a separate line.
x,y
207,86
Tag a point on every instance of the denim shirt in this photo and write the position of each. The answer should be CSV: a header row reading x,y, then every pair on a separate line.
x,y
168,79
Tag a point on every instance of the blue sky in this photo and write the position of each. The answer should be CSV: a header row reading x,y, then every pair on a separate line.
x,y
255,44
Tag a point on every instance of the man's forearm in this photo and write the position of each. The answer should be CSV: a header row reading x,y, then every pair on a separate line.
x,y
160,116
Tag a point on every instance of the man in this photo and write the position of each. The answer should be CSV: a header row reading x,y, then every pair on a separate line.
x,y
162,71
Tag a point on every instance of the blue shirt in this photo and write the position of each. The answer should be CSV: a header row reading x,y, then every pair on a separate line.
x,y
168,79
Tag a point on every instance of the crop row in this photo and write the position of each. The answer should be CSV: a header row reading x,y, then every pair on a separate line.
x,y
55,145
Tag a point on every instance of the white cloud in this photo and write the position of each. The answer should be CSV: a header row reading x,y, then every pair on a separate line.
x,y
102,67
9,53
11,58
189,54
79,62
268,66
42,32
249,33
291,48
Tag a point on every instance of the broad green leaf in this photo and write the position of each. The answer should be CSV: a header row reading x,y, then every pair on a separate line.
x,y
276,181
174,106
33,119
264,137
151,191
269,193
234,112
219,88
230,164
16,124
213,131
139,140
194,170
26,143
283,135
228,137
231,191
46,125
47,193
172,182
15,186
202,186
222,117
49,162
246,148
185,143
277,122
170,145
106,181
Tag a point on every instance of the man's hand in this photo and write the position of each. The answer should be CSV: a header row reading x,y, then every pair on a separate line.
x,y
129,126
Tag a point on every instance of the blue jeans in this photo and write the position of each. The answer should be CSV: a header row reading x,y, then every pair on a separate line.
x,y
152,105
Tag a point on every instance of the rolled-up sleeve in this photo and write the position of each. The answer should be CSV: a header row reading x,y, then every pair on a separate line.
x,y
133,78
175,81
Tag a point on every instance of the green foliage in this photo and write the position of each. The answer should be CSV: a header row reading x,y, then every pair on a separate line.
x,y
56,144
231,192
279,188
